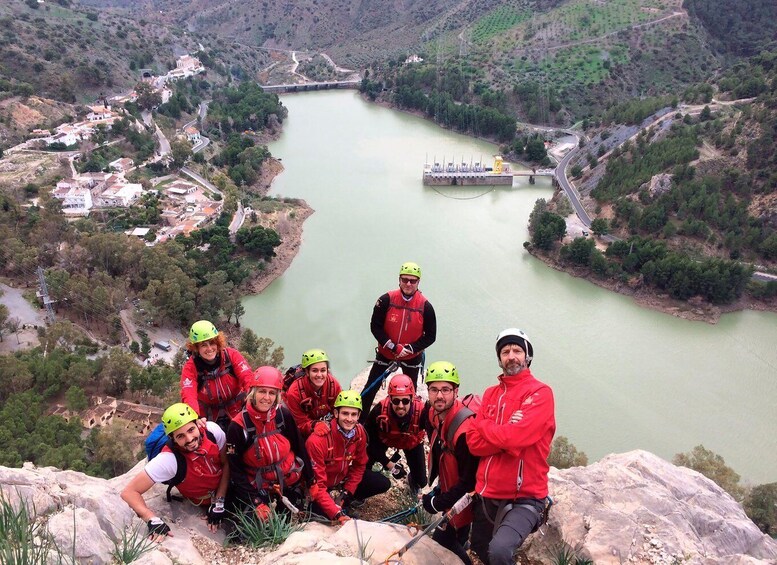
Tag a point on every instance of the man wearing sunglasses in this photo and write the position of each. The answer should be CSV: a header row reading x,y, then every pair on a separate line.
x,y
404,324
399,421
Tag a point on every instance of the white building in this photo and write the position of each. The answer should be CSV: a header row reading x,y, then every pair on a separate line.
x,y
76,200
192,134
99,112
120,195
121,165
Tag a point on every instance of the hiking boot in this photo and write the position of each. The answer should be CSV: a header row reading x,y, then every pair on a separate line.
x,y
357,503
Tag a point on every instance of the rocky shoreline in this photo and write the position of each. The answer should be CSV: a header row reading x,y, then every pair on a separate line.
x,y
695,309
292,237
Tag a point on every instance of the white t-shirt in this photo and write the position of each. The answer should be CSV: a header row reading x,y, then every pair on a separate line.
x,y
163,467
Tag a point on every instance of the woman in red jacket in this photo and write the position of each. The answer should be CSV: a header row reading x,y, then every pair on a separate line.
x,y
266,454
214,377
312,397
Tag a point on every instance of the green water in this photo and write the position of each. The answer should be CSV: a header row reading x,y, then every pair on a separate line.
x,y
624,377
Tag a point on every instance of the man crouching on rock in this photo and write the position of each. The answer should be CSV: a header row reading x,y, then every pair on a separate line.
x,y
338,453
194,460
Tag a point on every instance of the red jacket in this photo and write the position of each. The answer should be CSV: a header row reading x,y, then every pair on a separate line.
x,y
448,464
388,425
513,457
308,406
337,461
203,471
208,391
404,321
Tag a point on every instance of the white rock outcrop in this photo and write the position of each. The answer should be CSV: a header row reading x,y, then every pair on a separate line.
x,y
627,508
638,508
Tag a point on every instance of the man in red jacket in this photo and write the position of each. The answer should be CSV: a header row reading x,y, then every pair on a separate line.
x,y
339,458
449,456
511,434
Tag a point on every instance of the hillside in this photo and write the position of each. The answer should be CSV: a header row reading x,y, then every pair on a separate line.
x,y
74,53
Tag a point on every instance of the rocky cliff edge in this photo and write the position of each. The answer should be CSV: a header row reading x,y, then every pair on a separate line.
x,y
626,508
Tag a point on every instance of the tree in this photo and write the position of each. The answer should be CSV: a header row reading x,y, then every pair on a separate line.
x,y
576,171
249,342
238,312
13,325
112,457
181,150
114,372
75,399
564,455
761,507
147,97
3,319
600,226
265,353
712,466
550,228
580,250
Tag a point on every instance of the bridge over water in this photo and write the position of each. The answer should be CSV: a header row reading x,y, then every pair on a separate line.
x,y
306,86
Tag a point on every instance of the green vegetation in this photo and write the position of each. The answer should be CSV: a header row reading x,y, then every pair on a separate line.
x,y
257,533
712,466
761,506
498,21
246,107
564,455
132,544
740,27
23,539
242,158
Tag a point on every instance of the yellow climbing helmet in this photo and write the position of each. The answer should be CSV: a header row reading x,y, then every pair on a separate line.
x,y
313,356
349,399
442,371
202,331
411,269
177,415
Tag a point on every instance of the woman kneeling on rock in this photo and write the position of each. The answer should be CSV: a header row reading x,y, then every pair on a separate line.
x,y
266,454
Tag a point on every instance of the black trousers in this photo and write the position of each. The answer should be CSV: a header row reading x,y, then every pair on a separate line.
x,y
454,539
495,545
411,368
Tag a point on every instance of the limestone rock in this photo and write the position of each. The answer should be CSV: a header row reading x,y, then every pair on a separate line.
x,y
318,544
83,530
637,508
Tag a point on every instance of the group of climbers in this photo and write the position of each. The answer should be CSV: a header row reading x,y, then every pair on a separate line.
x,y
248,441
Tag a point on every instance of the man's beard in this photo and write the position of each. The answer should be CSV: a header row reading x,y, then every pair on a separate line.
x,y
512,369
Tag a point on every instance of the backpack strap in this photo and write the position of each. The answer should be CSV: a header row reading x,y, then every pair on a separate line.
x,y
463,413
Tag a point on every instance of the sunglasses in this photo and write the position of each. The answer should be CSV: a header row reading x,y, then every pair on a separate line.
x,y
405,280
398,401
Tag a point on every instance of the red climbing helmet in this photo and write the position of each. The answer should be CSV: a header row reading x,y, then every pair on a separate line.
x,y
269,377
401,385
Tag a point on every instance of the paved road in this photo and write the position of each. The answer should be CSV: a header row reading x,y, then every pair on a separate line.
x,y
237,219
571,192
200,179
164,145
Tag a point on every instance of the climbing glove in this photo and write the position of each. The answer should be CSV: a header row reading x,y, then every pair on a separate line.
x,y
157,527
428,501
398,471
341,517
216,512
262,512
